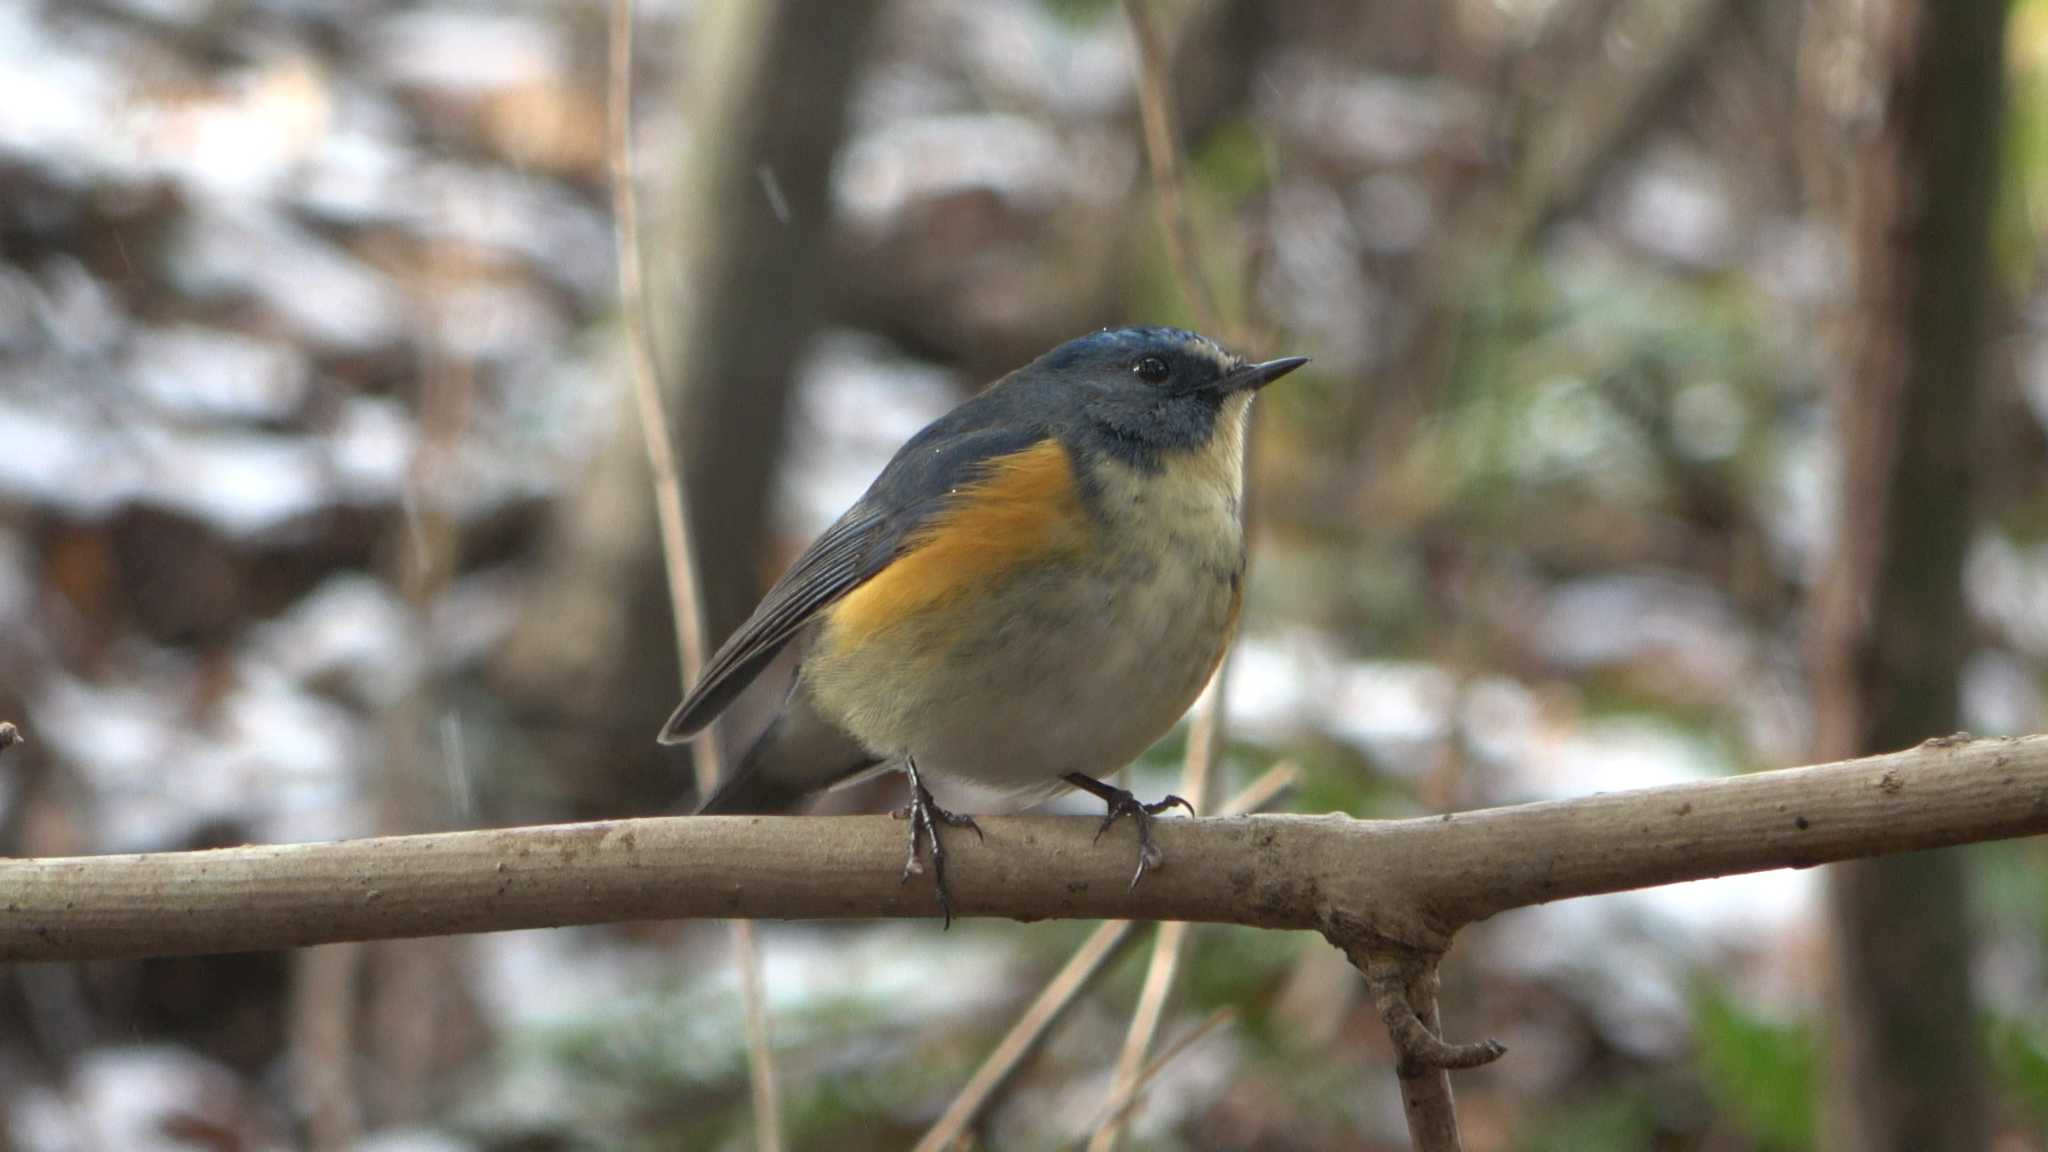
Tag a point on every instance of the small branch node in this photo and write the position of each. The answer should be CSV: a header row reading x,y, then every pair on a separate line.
x,y
1403,982
1393,977
1952,740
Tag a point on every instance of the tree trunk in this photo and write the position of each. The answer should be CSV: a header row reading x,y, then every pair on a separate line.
x,y
773,86
1908,1068
736,278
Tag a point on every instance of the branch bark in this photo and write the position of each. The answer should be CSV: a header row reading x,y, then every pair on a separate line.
x,y
1376,885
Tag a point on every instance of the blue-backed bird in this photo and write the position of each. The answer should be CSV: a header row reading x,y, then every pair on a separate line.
x,y
1032,592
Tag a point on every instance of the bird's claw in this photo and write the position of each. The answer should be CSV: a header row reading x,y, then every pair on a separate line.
x,y
925,816
1121,802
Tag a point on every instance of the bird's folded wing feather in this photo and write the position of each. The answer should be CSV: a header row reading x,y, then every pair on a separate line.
x,y
917,483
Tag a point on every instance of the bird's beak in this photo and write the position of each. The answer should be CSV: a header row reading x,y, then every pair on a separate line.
x,y
1253,377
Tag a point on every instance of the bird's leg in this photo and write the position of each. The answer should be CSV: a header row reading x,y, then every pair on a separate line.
x,y
925,816
1122,803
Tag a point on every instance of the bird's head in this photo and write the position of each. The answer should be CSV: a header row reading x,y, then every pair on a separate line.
x,y
1146,393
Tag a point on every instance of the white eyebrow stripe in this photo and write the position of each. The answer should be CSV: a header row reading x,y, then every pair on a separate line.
x,y
1223,361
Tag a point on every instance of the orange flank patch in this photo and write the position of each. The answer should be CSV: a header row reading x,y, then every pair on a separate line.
x,y
1024,507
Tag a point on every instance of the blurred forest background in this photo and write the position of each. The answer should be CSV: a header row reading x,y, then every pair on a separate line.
x,y
324,512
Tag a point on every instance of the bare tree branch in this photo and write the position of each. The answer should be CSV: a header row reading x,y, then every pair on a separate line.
x,y
1404,883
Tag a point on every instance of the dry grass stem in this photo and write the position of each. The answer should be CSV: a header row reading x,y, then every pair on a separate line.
x,y
1119,1107
1205,740
679,560
1088,961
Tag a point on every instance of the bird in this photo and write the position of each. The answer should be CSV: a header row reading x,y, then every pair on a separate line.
x,y
1033,591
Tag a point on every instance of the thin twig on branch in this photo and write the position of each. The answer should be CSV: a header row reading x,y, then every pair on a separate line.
x,y
1410,883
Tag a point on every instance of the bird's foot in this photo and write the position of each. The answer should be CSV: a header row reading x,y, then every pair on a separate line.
x,y
925,816
1123,803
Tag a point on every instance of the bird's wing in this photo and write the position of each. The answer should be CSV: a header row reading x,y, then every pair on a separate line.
x,y
917,483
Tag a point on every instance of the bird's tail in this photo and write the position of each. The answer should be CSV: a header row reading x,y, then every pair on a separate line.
x,y
800,754
748,791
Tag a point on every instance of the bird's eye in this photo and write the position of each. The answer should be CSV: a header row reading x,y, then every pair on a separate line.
x,y
1152,369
